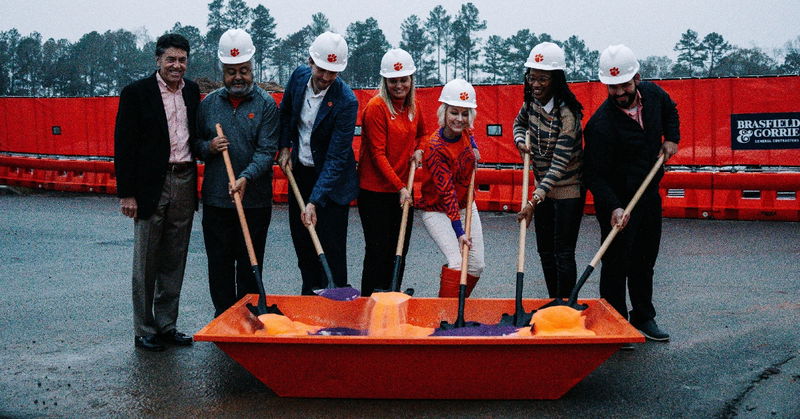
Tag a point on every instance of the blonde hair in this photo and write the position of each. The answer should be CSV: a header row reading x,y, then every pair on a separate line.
x,y
410,103
443,110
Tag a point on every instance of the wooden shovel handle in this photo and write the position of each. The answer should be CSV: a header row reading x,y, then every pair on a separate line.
x,y
403,221
468,227
237,200
311,230
628,209
523,225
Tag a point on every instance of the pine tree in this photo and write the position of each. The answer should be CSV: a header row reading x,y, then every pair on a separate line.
x,y
262,30
691,53
716,49
519,46
494,59
415,41
27,67
465,50
655,67
367,45
237,15
439,24
581,62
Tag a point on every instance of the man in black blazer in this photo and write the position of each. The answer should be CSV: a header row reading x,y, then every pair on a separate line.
x,y
157,186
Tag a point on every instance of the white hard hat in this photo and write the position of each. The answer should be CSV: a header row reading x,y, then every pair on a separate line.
x,y
458,92
397,63
235,47
546,56
617,65
329,51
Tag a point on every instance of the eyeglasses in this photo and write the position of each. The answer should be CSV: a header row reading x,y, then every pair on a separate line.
x,y
540,80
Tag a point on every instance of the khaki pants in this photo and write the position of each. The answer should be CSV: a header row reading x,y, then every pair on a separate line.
x,y
161,244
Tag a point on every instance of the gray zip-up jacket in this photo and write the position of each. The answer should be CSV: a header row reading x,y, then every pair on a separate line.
x,y
252,130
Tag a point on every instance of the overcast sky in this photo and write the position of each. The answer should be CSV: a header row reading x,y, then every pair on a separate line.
x,y
648,27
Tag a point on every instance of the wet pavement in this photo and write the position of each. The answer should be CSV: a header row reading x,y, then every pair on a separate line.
x,y
728,293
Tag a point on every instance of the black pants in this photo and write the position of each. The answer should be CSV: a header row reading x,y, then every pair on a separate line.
x,y
381,215
230,274
557,222
331,228
630,260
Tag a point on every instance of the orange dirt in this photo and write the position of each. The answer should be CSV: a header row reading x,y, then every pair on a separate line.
x,y
560,321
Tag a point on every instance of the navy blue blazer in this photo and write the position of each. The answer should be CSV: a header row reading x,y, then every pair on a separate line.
x,y
331,137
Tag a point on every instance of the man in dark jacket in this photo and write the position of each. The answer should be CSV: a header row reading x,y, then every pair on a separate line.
x,y
623,142
157,186
249,119
318,116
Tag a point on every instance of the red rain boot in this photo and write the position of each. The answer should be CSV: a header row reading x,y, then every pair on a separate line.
x,y
449,282
471,282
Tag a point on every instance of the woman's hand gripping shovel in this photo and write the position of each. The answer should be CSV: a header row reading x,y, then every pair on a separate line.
x,y
520,317
331,292
262,307
573,298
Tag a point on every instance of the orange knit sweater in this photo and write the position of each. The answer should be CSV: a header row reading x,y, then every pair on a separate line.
x,y
387,143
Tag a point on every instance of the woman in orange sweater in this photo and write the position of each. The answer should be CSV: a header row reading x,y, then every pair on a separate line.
x,y
392,130
450,157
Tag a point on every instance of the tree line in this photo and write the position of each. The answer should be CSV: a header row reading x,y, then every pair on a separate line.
x,y
444,46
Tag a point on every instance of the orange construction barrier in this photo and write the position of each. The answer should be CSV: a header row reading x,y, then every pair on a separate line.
x,y
756,196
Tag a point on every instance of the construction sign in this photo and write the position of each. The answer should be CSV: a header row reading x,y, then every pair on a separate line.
x,y
765,131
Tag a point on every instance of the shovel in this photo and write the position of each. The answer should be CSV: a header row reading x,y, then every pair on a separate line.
x,y
521,317
462,288
331,292
573,298
262,307
399,260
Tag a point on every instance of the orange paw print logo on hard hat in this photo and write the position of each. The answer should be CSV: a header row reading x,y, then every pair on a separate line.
x,y
331,58
614,71
234,52
398,66
464,96
538,58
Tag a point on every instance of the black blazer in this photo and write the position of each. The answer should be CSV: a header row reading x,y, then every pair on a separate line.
x,y
141,141
619,153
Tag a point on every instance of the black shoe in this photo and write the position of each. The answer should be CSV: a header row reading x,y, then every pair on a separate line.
x,y
148,343
651,331
174,337
627,347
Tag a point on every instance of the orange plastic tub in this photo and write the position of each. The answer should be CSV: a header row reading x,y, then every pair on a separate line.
x,y
538,367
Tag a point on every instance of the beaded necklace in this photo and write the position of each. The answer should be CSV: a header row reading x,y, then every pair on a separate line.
x,y
548,151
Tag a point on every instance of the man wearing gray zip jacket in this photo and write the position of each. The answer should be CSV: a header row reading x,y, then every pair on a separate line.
x,y
249,119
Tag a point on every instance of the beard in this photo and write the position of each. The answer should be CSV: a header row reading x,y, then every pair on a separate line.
x,y
239,90
625,100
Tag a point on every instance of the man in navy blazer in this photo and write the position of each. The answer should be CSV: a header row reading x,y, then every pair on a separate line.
x,y
157,186
318,115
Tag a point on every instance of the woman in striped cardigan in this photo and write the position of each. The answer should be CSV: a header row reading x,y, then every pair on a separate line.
x,y
551,115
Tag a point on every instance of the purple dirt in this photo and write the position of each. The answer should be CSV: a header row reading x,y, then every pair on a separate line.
x,y
480,330
340,331
339,294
